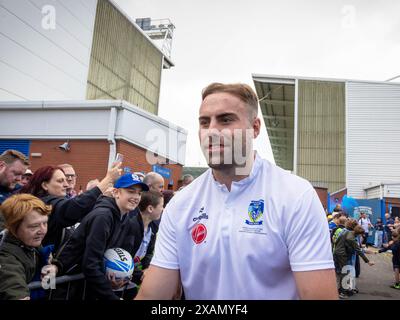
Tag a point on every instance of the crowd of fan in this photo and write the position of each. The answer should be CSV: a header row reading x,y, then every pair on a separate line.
x,y
47,229
349,238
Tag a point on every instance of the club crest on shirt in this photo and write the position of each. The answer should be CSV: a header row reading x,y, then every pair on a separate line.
x,y
255,212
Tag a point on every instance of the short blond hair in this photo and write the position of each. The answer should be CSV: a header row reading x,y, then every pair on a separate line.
x,y
65,166
16,208
240,90
10,156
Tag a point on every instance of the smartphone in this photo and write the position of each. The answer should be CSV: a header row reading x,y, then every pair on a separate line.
x,y
119,157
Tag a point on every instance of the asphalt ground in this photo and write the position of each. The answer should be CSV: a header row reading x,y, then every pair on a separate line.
x,y
374,281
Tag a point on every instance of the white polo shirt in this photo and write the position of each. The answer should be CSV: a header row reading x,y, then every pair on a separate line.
x,y
364,224
244,244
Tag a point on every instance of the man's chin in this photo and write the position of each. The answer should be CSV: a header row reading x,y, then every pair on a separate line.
x,y
132,207
221,166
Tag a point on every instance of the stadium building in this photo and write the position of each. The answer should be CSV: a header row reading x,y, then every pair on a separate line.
x,y
340,134
57,57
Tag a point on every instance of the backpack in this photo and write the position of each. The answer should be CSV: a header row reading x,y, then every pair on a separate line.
x,y
336,235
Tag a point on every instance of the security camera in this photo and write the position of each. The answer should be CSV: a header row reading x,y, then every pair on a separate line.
x,y
65,146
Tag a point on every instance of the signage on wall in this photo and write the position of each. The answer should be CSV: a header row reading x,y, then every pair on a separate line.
x,y
165,172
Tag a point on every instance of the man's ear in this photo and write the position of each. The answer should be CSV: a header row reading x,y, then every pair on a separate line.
x,y
256,127
115,193
3,167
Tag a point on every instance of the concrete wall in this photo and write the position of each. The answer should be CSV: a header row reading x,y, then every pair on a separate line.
x,y
38,61
92,120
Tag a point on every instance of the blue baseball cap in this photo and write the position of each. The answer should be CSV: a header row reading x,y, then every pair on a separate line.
x,y
129,180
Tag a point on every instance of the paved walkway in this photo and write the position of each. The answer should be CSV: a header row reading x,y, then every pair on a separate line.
x,y
374,282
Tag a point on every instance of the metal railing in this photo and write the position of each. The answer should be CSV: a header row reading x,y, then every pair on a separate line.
x,y
59,280
55,292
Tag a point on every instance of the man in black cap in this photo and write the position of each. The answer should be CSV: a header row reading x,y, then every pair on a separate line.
x,y
101,230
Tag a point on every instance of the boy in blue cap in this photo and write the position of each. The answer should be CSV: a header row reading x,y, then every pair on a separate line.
x,y
100,230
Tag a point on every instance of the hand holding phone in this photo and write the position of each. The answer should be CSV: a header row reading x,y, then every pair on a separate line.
x,y
119,157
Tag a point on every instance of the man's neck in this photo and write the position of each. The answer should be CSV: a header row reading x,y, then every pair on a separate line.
x,y
146,220
234,173
122,210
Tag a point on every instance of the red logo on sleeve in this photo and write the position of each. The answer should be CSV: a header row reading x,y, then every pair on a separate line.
x,y
199,233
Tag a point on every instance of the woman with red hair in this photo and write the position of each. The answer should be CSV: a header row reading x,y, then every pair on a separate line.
x,y
26,222
50,185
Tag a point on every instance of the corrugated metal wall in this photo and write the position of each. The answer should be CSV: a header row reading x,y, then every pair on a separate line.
x,y
374,193
321,133
392,191
124,63
20,145
373,139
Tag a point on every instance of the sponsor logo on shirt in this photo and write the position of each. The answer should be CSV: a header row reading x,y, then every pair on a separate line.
x,y
255,212
199,233
202,215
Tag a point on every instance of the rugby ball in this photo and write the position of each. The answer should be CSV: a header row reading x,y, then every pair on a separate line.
x,y
119,262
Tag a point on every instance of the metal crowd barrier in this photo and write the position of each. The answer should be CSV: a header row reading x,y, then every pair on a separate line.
x,y
53,294
50,288
59,280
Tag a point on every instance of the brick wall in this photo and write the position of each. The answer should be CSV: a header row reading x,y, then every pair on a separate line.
x,y
323,195
135,158
90,158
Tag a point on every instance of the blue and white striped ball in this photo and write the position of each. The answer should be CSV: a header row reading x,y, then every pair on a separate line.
x,y
119,262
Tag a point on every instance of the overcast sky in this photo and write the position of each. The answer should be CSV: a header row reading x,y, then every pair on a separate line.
x,y
228,40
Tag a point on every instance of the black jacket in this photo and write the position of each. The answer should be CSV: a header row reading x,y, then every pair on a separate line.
x,y
66,213
347,245
18,265
4,193
84,252
133,237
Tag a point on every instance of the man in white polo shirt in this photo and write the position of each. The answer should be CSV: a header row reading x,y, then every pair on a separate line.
x,y
245,229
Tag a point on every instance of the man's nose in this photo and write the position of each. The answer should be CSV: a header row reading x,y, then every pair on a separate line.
x,y
214,124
